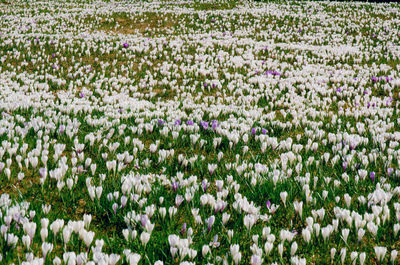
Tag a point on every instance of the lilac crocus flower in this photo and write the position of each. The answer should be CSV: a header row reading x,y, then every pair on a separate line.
x,y
264,131
204,124
372,176
143,220
62,129
253,131
268,204
183,231
214,124
210,222
178,122
175,185
344,165
215,242
160,122
390,171
190,122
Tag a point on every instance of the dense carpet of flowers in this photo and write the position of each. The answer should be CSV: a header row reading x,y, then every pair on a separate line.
x,y
220,132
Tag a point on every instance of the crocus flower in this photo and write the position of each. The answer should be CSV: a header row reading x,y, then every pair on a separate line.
x,y
372,176
62,129
183,231
204,185
143,220
215,242
115,207
344,165
175,185
214,124
125,45
42,172
210,222
204,124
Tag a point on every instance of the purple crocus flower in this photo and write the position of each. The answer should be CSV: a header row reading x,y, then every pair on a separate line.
x,y
178,122
253,131
214,124
215,242
268,204
183,231
175,185
264,131
372,176
213,85
344,165
82,95
143,220
160,122
374,79
210,222
204,124
390,171
190,122
125,45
